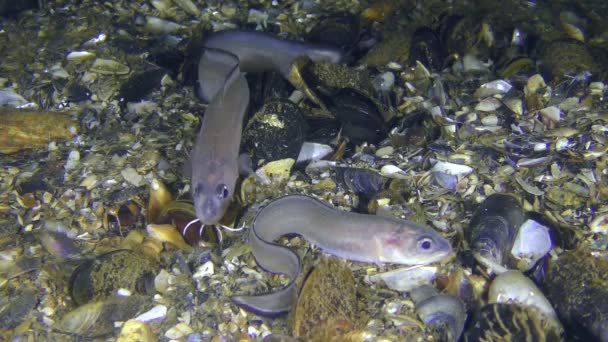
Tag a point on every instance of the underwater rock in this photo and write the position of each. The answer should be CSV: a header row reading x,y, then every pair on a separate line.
x,y
275,132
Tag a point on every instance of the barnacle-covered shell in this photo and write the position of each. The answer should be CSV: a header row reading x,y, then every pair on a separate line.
x,y
492,229
275,132
563,58
99,278
577,285
514,287
510,322
327,304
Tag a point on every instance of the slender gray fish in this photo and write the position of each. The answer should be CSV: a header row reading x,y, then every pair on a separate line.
x,y
214,158
353,236
257,52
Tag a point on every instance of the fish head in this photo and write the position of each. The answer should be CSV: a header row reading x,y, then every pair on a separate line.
x,y
212,192
409,246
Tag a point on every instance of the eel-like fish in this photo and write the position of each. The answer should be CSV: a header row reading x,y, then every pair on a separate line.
x,y
353,236
257,52
227,54
214,158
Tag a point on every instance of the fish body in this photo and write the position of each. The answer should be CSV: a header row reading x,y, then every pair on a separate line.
x,y
214,158
352,236
257,52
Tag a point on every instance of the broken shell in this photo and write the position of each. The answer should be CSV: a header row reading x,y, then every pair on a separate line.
x,y
573,25
79,56
134,330
160,197
488,104
452,168
405,279
492,88
392,171
532,242
167,233
109,67
313,151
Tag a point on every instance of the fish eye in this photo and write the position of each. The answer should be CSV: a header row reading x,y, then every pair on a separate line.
x,y
222,191
425,243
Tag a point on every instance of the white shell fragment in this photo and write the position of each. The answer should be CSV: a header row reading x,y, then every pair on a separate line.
x,y
392,171
552,113
78,56
405,279
452,168
158,25
313,151
8,97
157,312
492,88
531,243
514,287
488,104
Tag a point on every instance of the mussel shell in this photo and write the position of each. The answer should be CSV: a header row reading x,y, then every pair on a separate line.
x,y
99,278
566,57
426,48
141,84
181,212
340,30
361,181
493,226
459,34
275,132
510,322
360,118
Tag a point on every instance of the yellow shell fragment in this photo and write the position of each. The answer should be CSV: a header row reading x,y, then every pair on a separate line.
x,y
134,330
160,197
167,233
27,129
